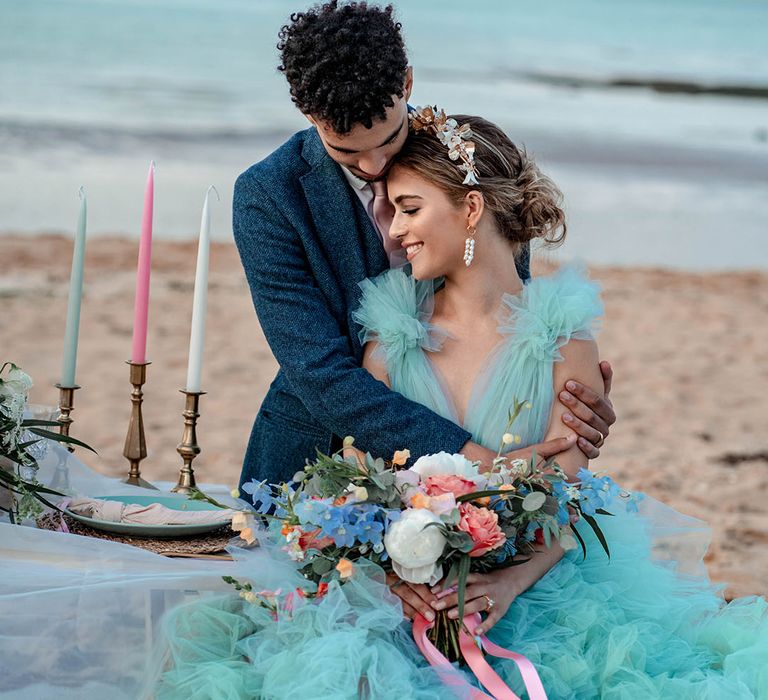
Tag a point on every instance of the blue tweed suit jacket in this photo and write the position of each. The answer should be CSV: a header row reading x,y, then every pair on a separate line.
x,y
305,242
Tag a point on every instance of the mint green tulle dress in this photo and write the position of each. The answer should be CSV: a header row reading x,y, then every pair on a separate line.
x,y
645,624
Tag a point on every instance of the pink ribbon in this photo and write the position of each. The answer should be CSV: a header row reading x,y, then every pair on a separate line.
x,y
490,680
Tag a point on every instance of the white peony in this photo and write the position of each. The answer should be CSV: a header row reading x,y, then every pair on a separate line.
x,y
444,463
415,548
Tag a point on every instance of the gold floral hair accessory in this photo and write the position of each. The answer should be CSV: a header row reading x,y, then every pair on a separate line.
x,y
450,134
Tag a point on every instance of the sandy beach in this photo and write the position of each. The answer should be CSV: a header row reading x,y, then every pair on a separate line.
x,y
690,353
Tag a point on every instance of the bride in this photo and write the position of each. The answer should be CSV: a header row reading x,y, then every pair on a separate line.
x,y
484,339
459,332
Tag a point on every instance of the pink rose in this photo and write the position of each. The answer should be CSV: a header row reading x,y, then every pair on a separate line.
x,y
439,484
482,525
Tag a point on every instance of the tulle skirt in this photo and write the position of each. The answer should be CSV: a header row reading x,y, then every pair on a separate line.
x,y
645,623
85,617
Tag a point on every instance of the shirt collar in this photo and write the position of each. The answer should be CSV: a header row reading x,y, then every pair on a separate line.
x,y
356,182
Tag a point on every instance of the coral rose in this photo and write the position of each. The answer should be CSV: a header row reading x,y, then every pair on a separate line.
x,y
439,484
312,539
482,525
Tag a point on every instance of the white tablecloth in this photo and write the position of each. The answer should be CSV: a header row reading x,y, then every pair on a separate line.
x,y
79,615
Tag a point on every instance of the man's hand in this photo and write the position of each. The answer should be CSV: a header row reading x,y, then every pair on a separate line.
x,y
416,597
590,415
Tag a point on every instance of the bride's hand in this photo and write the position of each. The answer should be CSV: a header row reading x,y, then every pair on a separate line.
x,y
490,593
501,586
415,597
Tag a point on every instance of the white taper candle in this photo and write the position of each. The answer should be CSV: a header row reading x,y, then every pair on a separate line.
x,y
200,300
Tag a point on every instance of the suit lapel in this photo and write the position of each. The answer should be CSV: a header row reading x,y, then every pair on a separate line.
x,y
355,252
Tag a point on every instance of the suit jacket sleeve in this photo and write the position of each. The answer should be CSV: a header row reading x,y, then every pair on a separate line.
x,y
313,352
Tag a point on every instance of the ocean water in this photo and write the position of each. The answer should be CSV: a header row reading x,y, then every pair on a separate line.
x,y
653,116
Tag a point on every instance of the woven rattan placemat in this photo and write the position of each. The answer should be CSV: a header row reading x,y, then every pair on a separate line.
x,y
211,543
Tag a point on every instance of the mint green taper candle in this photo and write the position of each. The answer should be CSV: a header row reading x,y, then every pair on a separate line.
x,y
75,297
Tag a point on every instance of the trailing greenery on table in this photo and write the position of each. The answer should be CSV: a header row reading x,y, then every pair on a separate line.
x,y
22,442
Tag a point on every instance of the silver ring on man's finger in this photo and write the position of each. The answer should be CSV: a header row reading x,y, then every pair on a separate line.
x,y
602,439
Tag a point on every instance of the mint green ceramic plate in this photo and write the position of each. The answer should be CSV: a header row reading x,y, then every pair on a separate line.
x,y
172,502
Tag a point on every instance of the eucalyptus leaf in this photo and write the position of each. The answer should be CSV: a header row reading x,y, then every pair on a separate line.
x,y
452,518
534,501
551,505
321,565
460,541
387,479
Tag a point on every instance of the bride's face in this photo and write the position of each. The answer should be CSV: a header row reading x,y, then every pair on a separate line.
x,y
428,224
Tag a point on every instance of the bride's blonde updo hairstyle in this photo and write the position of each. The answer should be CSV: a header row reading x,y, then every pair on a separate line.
x,y
525,203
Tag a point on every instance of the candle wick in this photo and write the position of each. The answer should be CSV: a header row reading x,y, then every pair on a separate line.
x,y
212,187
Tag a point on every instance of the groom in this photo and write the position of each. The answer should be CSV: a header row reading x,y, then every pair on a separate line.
x,y
310,222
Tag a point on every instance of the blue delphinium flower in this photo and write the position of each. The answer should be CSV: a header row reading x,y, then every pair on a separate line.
x,y
261,495
596,492
345,535
590,501
633,500
507,551
498,505
310,511
368,526
331,520
562,491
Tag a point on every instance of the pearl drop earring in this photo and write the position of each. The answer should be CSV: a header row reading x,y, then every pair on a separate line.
x,y
469,246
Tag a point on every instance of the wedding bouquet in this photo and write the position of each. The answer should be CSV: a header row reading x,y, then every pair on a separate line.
x,y
438,520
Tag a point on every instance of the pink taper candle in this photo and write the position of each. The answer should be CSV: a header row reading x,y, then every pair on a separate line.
x,y
141,306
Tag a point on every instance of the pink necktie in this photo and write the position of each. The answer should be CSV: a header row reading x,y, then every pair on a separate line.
x,y
383,213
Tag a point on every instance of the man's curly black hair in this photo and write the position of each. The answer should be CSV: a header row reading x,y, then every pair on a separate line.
x,y
344,62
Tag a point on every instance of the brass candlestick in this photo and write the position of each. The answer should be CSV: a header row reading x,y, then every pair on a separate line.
x,y
135,445
66,406
188,447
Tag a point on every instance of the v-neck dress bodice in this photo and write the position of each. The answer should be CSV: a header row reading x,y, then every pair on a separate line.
x,y
396,312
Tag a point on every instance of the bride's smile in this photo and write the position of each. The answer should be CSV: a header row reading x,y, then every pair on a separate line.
x,y
412,249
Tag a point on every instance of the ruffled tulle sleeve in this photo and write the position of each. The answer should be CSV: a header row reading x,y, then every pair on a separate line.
x,y
550,311
395,311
